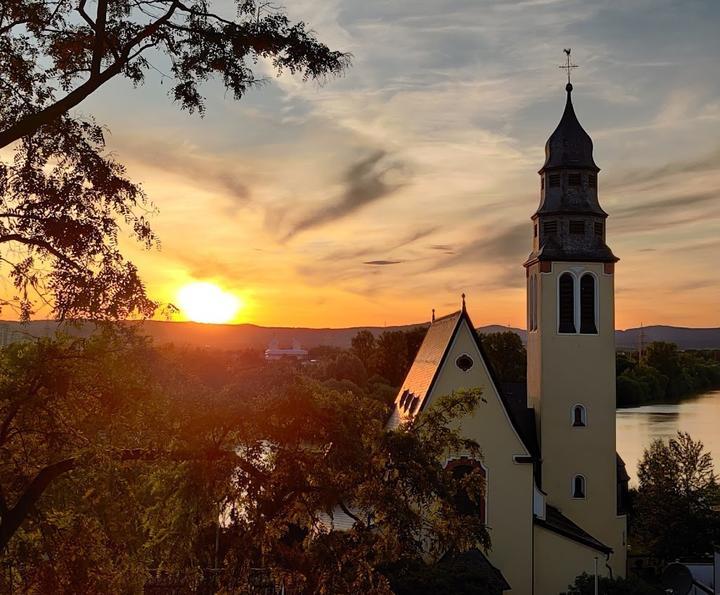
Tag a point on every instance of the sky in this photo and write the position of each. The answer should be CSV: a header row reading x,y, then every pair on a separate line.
x,y
374,197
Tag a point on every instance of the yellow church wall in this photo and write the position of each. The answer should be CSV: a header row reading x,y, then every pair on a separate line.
x,y
565,370
509,490
558,560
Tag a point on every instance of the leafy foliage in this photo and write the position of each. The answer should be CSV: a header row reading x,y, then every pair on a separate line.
x,y
251,472
674,506
585,585
665,373
507,355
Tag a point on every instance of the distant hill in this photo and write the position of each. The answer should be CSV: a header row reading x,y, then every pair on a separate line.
x,y
244,336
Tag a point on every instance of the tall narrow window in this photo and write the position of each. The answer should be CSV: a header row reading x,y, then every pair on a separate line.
x,y
566,304
587,305
465,504
533,297
578,486
554,180
579,417
592,181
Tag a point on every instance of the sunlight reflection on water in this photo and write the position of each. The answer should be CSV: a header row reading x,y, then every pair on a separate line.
x,y
637,427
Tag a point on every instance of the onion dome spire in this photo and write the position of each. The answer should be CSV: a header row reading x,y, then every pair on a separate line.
x,y
569,146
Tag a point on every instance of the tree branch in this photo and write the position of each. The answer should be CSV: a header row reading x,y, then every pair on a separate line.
x,y
30,123
15,237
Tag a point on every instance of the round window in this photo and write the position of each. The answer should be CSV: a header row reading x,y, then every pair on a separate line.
x,y
464,362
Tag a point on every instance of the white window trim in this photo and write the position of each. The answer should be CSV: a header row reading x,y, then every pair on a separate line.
x,y
577,276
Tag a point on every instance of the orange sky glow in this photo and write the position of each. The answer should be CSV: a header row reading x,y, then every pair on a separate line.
x,y
378,196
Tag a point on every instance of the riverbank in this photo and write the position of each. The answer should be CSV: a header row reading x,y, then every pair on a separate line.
x,y
663,374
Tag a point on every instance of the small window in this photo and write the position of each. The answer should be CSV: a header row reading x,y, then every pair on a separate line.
x,y
574,179
550,227
587,305
554,180
592,181
598,228
464,503
579,417
535,230
464,362
566,303
577,227
414,404
404,397
542,182
578,488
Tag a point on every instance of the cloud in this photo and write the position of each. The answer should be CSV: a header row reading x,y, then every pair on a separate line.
x,y
664,205
219,172
382,262
708,162
369,180
508,246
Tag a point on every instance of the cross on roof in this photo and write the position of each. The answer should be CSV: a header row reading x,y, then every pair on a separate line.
x,y
569,66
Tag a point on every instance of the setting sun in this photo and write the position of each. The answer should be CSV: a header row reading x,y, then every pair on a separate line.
x,y
206,302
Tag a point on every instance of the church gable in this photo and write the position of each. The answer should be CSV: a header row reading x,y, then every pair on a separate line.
x,y
451,358
464,367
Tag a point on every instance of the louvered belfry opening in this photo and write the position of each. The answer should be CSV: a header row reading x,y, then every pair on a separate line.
x,y
566,304
587,305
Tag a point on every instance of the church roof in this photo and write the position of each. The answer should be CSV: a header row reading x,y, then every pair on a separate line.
x,y
569,146
426,367
558,523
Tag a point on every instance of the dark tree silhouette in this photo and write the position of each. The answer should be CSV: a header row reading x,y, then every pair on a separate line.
x,y
63,201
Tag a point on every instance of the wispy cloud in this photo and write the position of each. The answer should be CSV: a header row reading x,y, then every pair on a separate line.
x,y
369,180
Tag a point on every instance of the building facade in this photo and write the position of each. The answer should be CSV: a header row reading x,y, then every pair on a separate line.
x,y
554,485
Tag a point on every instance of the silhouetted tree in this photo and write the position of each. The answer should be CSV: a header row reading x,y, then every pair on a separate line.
x,y
347,366
674,516
585,585
507,355
393,360
64,201
363,346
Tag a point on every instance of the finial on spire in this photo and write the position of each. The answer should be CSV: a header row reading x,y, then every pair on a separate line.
x,y
433,314
463,302
568,66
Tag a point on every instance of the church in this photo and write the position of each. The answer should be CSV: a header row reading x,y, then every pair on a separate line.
x,y
555,488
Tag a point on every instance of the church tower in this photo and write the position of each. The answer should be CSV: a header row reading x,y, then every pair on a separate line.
x,y
571,338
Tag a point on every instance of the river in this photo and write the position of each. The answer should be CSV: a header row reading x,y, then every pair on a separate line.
x,y
637,427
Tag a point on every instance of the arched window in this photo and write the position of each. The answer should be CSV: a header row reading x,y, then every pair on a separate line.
x,y
578,486
463,501
566,303
579,416
587,305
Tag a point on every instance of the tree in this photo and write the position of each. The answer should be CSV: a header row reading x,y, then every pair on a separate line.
x,y
94,428
363,346
506,354
676,495
347,366
63,201
585,585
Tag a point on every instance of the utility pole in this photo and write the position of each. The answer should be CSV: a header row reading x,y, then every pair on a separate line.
x,y
596,576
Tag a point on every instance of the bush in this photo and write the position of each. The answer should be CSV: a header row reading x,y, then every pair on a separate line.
x,y
585,585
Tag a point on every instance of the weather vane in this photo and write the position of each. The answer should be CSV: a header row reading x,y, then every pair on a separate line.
x,y
569,66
